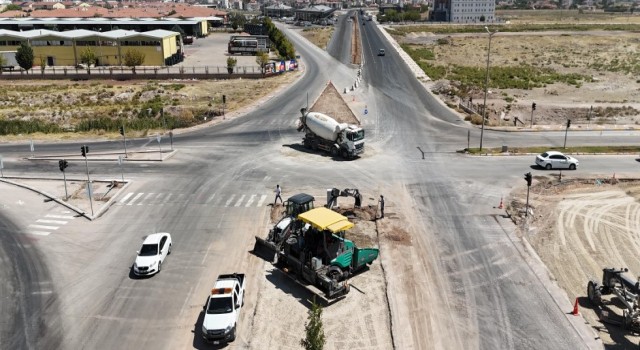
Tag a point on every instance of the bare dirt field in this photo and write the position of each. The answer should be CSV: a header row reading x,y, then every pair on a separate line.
x,y
579,227
606,59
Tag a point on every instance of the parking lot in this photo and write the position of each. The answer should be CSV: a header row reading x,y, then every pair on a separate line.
x,y
212,52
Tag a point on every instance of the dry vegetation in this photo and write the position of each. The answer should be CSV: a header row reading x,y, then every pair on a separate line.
x,y
318,36
81,109
564,72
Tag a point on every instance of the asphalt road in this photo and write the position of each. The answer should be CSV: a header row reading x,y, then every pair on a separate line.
x,y
476,292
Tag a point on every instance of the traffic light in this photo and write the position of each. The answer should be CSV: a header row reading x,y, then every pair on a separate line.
x,y
62,164
528,178
84,150
122,130
568,123
224,98
533,106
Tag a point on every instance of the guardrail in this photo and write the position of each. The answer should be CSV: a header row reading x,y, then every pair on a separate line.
x,y
127,73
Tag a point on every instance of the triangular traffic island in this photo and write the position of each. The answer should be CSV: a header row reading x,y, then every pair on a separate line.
x,y
331,103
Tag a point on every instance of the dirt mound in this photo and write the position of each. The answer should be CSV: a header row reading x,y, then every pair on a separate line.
x,y
332,104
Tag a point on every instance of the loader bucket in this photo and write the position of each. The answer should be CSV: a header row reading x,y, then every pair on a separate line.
x,y
264,249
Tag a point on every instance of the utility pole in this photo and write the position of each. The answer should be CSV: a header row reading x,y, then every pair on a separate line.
x,y
224,104
121,169
159,146
486,87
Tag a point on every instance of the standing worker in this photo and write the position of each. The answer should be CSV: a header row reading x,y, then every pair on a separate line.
x,y
277,191
381,206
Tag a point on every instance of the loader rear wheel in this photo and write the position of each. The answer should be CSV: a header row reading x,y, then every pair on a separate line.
x,y
593,293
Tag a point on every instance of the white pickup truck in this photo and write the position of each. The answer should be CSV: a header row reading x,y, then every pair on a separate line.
x,y
222,311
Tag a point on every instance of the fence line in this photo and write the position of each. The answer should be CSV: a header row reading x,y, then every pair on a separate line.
x,y
202,72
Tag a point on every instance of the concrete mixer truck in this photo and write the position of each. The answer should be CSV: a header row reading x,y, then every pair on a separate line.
x,y
322,132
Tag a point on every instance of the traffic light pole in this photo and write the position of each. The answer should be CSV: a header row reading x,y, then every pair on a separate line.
x,y
565,137
66,194
125,140
86,163
528,178
526,213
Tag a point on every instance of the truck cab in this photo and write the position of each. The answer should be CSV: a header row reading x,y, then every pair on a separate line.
x,y
222,310
354,136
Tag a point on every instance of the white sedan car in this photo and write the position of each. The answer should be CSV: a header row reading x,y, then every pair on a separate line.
x,y
556,160
155,249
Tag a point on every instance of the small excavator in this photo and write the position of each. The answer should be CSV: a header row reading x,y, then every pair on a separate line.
x,y
332,196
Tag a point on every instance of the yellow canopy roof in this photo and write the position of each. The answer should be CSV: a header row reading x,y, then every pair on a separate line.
x,y
326,219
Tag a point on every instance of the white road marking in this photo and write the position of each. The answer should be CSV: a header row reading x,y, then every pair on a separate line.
x,y
135,198
43,227
145,198
262,199
124,199
39,233
42,292
229,200
156,200
251,199
166,199
239,201
57,222
66,212
210,198
60,216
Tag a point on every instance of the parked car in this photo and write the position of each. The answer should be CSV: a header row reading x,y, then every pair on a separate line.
x,y
556,160
381,52
151,255
188,40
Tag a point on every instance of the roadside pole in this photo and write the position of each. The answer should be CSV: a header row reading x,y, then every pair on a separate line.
x,y
565,133
1,167
85,150
121,169
63,165
122,132
171,138
32,148
159,146
528,178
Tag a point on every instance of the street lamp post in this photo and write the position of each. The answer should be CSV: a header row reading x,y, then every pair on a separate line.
x,y
486,87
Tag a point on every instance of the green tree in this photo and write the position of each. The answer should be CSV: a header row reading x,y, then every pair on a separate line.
x,y
237,20
133,58
262,58
231,63
12,7
314,339
24,56
88,56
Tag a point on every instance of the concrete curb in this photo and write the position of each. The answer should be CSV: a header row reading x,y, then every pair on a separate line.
x,y
74,157
507,154
63,203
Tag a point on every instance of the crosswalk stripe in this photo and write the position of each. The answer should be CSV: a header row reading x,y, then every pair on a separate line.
x,y
239,201
124,199
251,199
39,233
229,200
157,199
262,199
145,198
60,216
166,199
135,198
210,198
57,222
43,227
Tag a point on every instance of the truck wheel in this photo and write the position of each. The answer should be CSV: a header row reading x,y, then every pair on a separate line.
x,y
345,155
334,152
233,334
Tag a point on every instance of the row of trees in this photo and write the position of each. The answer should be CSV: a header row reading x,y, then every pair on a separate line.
x,y
88,56
280,41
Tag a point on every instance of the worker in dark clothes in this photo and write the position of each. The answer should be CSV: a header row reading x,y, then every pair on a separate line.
x,y
277,191
381,206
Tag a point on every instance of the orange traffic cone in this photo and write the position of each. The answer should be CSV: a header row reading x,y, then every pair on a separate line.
x,y
500,206
575,311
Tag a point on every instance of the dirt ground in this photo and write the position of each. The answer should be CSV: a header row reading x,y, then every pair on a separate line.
x,y
359,321
609,58
578,227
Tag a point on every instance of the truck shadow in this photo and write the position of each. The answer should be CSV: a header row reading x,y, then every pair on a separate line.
x,y
198,342
301,148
